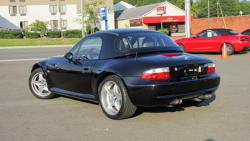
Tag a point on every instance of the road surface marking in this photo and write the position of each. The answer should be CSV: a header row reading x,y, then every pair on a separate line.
x,y
15,60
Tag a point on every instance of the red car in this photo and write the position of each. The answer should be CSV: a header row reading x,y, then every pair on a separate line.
x,y
212,40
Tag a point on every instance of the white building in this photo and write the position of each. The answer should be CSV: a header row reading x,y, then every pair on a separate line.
x,y
21,13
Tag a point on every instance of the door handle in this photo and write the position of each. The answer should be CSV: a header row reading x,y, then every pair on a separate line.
x,y
86,67
51,66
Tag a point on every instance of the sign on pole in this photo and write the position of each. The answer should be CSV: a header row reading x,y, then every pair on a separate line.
x,y
104,18
160,11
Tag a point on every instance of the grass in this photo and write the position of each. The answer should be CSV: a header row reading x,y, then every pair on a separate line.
x,y
41,41
38,42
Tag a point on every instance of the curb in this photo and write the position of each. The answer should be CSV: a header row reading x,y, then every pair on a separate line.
x,y
15,47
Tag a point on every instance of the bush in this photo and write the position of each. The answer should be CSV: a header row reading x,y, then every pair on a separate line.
x,y
32,35
96,29
54,34
72,34
10,34
88,30
164,30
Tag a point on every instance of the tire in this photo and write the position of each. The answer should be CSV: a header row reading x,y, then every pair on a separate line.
x,y
230,49
182,46
114,99
191,102
38,85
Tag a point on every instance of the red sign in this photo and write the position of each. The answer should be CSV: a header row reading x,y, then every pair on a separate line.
x,y
165,19
160,10
136,22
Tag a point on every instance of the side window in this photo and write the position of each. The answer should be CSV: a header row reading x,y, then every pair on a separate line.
x,y
202,34
215,33
75,49
90,48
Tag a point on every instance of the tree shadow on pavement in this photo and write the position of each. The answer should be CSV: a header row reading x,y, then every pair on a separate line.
x,y
177,108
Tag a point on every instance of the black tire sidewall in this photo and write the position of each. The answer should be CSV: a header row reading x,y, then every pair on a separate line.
x,y
182,46
38,70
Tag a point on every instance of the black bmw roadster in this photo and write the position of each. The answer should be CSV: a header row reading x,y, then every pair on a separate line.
x,y
123,69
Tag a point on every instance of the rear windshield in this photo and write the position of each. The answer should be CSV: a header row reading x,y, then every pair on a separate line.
x,y
143,40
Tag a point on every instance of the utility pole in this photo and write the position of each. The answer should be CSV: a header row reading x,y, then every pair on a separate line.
x,y
83,34
208,15
187,18
60,10
218,9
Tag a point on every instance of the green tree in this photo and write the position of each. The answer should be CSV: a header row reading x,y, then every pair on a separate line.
x,y
91,13
244,6
39,26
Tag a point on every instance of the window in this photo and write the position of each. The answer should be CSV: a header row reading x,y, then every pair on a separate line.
x,y
12,0
202,34
54,24
23,24
75,49
90,48
53,9
62,9
145,40
13,10
215,33
22,10
21,0
64,24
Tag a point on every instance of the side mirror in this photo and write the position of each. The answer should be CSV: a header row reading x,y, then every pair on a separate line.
x,y
68,55
194,36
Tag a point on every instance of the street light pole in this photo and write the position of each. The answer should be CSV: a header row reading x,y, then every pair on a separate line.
x,y
60,10
187,14
208,15
83,34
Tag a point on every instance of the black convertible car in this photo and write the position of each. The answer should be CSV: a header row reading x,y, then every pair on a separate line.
x,y
123,69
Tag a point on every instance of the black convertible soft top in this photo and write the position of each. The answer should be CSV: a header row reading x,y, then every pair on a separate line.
x,y
109,38
224,32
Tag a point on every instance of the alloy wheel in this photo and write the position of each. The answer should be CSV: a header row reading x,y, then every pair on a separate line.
x,y
39,85
111,97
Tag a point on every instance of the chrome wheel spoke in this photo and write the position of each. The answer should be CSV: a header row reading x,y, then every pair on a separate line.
x,y
40,77
117,105
41,89
37,83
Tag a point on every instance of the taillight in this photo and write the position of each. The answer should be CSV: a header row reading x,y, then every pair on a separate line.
x,y
243,39
159,73
211,68
172,54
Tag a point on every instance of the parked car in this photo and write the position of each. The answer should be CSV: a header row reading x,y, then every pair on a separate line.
x,y
4,29
246,32
19,29
125,68
212,40
33,30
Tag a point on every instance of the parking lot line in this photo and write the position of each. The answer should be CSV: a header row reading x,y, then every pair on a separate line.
x,y
22,59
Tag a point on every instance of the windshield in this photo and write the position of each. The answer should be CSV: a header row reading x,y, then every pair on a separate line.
x,y
233,32
143,40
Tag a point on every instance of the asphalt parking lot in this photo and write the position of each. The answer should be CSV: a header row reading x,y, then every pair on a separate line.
x,y
224,117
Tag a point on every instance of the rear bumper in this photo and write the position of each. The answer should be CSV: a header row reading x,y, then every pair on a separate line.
x,y
245,49
150,93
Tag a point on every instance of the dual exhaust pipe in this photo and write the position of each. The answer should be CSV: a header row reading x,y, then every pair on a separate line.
x,y
179,101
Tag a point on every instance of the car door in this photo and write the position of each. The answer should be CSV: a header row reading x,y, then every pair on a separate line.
x,y
203,41
75,75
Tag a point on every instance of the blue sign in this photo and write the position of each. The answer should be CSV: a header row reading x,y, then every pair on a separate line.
x,y
104,18
104,13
